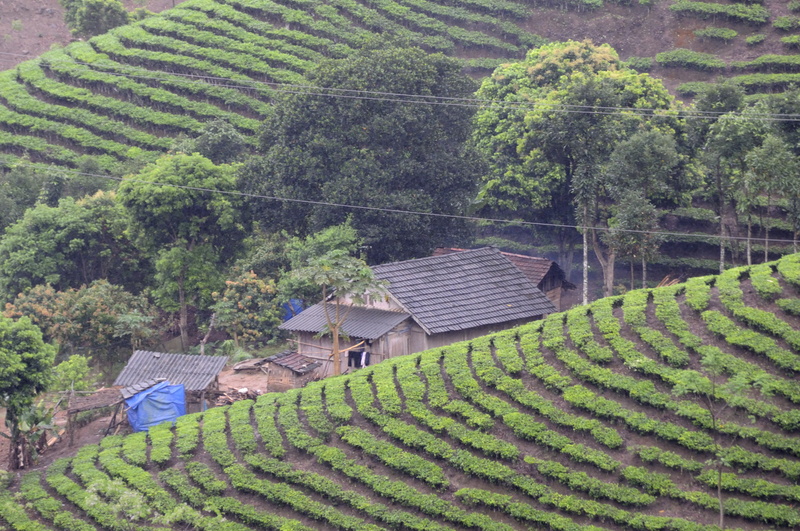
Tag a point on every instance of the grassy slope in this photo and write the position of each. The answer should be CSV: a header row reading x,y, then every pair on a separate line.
x,y
569,422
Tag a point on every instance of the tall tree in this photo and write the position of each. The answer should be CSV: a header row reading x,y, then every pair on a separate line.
x,y
568,106
383,148
344,279
180,211
25,367
729,140
519,183
773,164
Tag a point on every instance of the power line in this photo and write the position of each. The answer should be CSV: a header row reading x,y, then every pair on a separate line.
x,y
421,99
395,210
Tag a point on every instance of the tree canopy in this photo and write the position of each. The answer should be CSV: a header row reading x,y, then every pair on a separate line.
x,y
180,211
73,243
556,120
362,141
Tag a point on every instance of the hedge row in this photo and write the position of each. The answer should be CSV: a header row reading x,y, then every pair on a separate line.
x,y
19,99
157,98
747,13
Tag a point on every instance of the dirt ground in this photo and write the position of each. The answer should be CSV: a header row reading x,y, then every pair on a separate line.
x,y
94,431
30,27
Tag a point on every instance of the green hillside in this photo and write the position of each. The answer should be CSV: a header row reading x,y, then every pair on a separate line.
x,y
612,415
122,96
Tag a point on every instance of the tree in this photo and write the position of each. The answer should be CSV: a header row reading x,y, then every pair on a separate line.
x,y
551,153
71,244
633,230
218,141
248,309
519,183
299,251
380,151
25,367
182,211
340,277
88,18
772,164
730,138
20,186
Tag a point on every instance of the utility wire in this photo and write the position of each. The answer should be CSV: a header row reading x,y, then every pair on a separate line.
x,y
391,210
420,99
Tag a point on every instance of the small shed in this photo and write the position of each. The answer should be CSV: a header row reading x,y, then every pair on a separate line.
x,y
289,370
198,374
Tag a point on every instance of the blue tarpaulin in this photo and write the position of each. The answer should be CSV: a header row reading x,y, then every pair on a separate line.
x,y
292,308
161,403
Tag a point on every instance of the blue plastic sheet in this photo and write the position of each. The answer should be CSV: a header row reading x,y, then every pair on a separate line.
x,y
161,403
292,308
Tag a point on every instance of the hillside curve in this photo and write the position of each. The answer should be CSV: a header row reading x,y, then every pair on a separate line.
x,y
572,422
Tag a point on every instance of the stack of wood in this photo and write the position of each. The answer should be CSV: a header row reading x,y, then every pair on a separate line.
x,y
234,395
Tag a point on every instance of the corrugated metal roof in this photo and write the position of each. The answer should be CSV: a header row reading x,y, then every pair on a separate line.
x,y
131,390
294,361
194,372
464,290
361,322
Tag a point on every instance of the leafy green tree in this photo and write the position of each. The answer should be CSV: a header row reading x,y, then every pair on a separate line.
x,y
300,251
88,18
389,152
248,309
345,279
633,231
179,210
73,374
730,138
74,243
520,183
25,370
772,164
549,156
20,186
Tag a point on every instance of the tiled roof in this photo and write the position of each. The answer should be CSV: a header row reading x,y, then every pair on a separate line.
x,y
194,372
463,290
361,322
294,361
533,267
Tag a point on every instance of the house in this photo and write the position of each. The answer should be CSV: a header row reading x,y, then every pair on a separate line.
x,y
546,274
432,302
198,374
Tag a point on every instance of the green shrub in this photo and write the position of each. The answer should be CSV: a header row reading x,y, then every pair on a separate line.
x,y
720,34
640,64
787,23
758,38
682,57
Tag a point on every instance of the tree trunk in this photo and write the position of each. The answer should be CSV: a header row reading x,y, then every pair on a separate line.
x,y
644,271
632,287
585,267
337,365
606,263
721,244
749,236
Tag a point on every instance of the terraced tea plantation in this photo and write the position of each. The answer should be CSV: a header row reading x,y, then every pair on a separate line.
x,y
124,95
606,416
